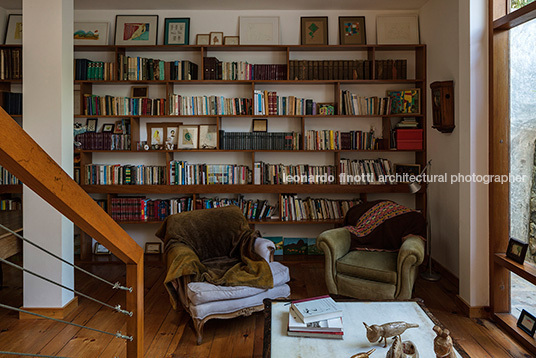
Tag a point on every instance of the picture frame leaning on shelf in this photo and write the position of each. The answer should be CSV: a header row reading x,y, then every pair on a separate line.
x,y
90,33
177,31
13,30
136,30
314,30
352,30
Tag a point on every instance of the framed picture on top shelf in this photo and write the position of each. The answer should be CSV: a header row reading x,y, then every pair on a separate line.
x,y
314,30
91,33
108,128
259,30
13,30
398,29
202,39
352,30
231,40
517,250
136,30
216,38
208,136
188,136
91,124
177,31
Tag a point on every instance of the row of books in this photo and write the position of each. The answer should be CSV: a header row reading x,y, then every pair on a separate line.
x,y
366,171
391,69
294,245
335,140
141,68
352,104
260,140
143,209
117,174
184,173
6,178
294,208
265,173
269,103
317,317
215,69
410,123
95,105
252,209
11,102
103,141
10,204
87,70
347,70
10,64
208,105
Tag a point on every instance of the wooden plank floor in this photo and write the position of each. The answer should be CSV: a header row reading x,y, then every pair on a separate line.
x,y
170,334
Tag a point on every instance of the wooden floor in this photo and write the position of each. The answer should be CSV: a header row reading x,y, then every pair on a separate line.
x,y
170,334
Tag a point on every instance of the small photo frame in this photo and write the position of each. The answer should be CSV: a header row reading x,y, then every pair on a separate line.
x,y
405,171
231,40
396,30
162,135
527,323
188,137
177,31
153,247
91,33
99,249
13,30
136,30
208,136
118,128
108,128
314,30
259,30
172,133
260,125
202,39
517,250
139,92
91,124
352,30
325,109
216,38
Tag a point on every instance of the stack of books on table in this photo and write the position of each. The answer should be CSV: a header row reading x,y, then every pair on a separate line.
x,y
318,317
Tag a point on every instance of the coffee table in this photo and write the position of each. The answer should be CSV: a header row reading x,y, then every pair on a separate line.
x,y
278,344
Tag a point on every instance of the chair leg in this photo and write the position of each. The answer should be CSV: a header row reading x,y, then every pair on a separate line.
x,y
198,325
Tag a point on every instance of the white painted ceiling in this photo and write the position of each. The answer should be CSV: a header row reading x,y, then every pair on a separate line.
x,y
237,4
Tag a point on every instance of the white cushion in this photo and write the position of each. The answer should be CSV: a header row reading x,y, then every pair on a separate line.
x,y
262,247
228,306
203,292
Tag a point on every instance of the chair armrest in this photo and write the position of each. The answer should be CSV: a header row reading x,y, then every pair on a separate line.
x,y
335,243
410,256
265,248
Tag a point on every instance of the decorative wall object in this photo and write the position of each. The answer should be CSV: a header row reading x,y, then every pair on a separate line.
x,y
527,323
352,30
393,30
443,106
202,39
177,31
231,40
208,136
314,30
517,250
136,30
259,30
91,33
14,30
216,38
188,136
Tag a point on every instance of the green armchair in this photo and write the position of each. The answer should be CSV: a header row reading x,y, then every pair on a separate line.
x,y
370,275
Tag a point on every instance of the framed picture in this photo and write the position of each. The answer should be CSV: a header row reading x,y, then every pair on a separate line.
x,y
188,136
202,39
13,30
405,101
405,171
99,249
91,33
216,38
392,30
177,31
260,125
259,30
139,91
118,128
136,30
153,247
208,136
231,40
172,133
527,323
91,124
108,128
314,30
352,30
325,109
162,135
517,250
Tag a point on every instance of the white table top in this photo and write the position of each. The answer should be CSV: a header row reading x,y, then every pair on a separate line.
x,y
355,339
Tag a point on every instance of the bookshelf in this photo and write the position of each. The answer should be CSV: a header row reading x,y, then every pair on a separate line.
x,y
274,54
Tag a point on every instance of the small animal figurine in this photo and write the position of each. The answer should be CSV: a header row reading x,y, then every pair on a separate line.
x,y
364,355
443,343
387,330
410,349
396,349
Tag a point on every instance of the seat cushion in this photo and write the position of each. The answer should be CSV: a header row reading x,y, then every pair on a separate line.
x,y
203,292
372,266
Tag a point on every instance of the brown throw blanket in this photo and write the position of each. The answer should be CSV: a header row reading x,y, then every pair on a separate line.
x,y
212,245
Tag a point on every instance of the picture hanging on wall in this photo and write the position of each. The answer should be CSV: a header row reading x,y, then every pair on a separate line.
x,y
259,30
91,33
177,31
14,30
396,30
136,30
314,30
352,30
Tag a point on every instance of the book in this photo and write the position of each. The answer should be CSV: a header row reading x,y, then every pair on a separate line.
x,y
326,335
324,326
316,309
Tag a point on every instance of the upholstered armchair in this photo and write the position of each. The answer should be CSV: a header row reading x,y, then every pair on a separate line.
x,y
218,267
370,275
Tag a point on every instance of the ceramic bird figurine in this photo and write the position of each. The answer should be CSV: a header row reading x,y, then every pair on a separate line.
x,y
387,330
396,349
443,343
364,355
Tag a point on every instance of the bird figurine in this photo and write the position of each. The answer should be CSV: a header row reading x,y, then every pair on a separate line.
x,y
387,330
364,355
396,349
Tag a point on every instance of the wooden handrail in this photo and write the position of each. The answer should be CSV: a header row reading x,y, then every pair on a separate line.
x,y
25,159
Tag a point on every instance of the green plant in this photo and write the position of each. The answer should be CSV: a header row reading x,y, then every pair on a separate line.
x,y
517,4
